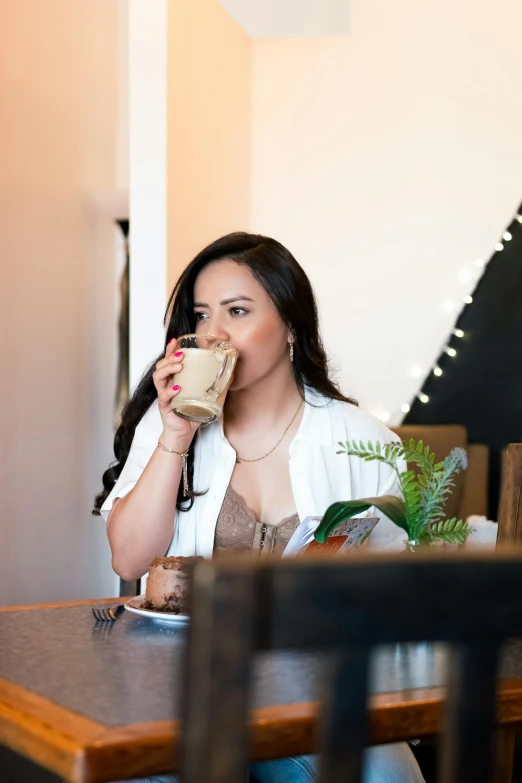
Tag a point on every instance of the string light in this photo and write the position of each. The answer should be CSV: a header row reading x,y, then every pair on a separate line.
x,y
464,276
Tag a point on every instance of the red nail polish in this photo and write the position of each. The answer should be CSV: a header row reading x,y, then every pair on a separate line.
x,y
178,353
175,388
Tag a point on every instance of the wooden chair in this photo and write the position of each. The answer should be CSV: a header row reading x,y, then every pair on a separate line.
x,y
343,610
130,588
510,507
509,534
470,494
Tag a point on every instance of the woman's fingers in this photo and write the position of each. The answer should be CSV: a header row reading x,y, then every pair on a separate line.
x,y
165,397
170,368
172,346
164,376
167,367
175,357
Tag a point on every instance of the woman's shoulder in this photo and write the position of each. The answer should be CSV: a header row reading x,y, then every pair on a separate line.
x,y
365,423
351,421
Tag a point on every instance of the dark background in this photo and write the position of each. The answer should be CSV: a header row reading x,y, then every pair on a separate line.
x,y
481,387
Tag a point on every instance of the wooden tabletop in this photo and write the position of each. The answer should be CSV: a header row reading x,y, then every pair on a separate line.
x,y
95,704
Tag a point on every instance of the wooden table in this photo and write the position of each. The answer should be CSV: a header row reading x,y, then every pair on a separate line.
x,y
95,704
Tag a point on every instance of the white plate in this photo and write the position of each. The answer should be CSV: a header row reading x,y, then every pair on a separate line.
x,y
136,605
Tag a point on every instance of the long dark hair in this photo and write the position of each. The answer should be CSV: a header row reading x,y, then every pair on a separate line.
x,y
287,285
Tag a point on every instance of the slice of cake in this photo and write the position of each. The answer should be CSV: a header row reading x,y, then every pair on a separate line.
x,y
168,584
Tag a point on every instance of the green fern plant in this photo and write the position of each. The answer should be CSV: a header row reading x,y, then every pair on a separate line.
x,y
421,513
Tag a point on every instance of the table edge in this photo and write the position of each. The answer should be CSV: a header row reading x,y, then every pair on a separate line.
x,y
64,604
86,751
393,717
50,735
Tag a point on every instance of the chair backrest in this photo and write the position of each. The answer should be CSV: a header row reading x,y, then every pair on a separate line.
x,y
510,507
129,588
329,606
470,494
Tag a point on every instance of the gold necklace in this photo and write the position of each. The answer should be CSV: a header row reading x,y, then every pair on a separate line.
x,y
240,459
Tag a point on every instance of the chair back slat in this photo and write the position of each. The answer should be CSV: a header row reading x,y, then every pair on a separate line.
x,y
509,533
129,588
510,507
343,727
388,600
342,609
466,752
221,641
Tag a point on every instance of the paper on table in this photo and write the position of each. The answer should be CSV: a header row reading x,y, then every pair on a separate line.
x,y
348,536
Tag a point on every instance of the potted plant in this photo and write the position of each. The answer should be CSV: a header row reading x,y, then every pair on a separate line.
x,y
421,513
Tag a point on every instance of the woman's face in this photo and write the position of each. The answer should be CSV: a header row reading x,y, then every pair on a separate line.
x,y
231,304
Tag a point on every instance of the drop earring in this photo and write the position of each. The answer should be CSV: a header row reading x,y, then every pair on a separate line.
x,y
291,352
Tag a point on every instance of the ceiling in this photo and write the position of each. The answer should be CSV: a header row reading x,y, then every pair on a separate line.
x,y
289,18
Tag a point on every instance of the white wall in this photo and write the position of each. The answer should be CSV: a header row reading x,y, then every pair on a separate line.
x,y
209,129
147,180
389,160
58,128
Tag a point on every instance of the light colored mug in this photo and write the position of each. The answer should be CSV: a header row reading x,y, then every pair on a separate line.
x,y
208,364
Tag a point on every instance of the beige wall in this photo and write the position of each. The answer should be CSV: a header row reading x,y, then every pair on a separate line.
x,y
389,160
209,120
58,99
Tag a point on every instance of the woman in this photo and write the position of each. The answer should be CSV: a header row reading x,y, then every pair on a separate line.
x,y
268,464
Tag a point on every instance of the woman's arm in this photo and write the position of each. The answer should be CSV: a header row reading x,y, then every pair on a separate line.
x,y
141,524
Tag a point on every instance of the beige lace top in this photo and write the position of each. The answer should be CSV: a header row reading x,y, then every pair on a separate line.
x,y
238,529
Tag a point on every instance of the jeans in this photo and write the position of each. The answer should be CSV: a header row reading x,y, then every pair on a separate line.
x,y
393,763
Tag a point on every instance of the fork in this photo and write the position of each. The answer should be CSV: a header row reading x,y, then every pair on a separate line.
x,y
107,615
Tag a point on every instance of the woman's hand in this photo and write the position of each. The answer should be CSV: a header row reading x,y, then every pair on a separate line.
x,y
177,432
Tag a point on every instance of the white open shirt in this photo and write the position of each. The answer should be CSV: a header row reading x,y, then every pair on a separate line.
x,y
319,476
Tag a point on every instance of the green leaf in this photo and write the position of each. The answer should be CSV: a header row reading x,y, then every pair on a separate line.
x,y
389,505
452,531
378,447
420,447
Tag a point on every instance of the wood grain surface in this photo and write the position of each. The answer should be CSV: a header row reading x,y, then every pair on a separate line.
x,y
84,751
